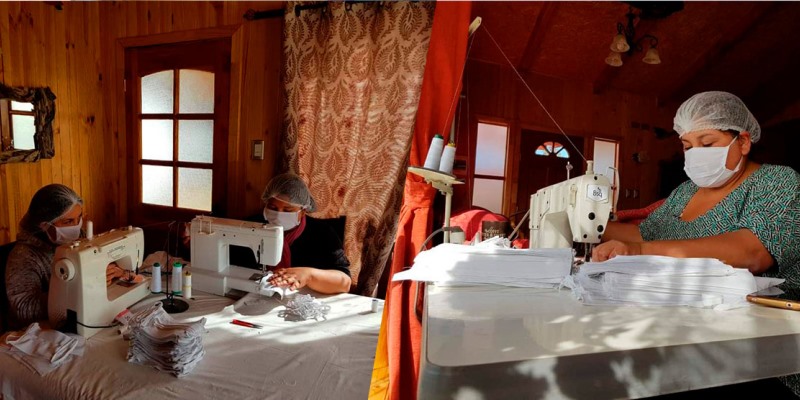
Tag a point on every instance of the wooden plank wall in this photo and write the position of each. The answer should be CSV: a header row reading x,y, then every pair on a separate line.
x,y
496,93
75,52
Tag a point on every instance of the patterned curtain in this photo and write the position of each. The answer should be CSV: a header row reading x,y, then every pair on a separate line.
x,y
353,75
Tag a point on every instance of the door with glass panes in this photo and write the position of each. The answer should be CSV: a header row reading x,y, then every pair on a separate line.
x,y
177,102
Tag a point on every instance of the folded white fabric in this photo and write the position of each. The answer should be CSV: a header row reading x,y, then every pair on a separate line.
x,y
452,264
50,345
158,340
665,281
43,350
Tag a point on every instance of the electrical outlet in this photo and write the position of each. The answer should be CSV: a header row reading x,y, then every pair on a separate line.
x,y
257,150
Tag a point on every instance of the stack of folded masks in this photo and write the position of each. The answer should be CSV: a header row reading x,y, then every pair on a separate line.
x,y
665,281
454,265
160,341
43,350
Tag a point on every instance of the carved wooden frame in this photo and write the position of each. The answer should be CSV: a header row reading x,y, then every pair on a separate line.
x,y
44,109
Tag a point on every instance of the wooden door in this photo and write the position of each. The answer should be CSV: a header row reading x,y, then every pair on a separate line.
x,y
543,161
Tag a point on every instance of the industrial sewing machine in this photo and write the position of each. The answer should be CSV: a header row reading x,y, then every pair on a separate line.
x,y
575,210
78,292
211,241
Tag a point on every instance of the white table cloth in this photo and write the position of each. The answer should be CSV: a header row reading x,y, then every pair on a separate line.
x,y
330,359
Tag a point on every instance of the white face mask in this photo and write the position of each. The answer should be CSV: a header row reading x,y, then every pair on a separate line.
x,y
288,220
66,234
706,165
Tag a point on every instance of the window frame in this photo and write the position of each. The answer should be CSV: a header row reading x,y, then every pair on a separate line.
x,y
504,177
211,55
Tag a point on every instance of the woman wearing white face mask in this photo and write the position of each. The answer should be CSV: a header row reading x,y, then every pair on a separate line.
x,y
312,254
732,209
54,217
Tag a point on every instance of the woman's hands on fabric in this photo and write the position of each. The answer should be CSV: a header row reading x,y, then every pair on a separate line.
x,y
293,278
113,271
613,248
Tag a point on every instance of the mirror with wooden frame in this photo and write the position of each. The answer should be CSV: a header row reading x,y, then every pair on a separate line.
x,y
26,123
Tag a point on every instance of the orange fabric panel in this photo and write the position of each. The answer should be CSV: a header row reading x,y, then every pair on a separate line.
x,y
396,369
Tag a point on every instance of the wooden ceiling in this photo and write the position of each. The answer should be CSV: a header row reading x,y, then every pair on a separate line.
x,y
747,48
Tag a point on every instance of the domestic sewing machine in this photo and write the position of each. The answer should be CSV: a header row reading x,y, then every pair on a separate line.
x,y
575,210
78,291
211,239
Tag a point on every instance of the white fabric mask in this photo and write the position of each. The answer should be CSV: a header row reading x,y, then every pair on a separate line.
x,y
705,166
67,234
288,220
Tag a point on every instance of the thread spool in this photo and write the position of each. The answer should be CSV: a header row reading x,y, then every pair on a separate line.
x,y
448,158
177,279
434,153
187,285
374,305
89,230
155,280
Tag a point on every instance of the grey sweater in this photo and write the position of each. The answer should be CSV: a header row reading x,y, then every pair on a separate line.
x,y
28,279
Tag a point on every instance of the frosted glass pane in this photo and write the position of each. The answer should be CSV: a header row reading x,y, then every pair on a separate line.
x,y
196,92
488,193
605,155
157,93
196,141
157,139
490,157
16,106
157,185
194,188
23,128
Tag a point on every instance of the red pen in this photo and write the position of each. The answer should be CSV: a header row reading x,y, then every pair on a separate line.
x,y
247,324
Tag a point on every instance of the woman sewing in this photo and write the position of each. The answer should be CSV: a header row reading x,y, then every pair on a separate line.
x,y
312,254
54,217
732,209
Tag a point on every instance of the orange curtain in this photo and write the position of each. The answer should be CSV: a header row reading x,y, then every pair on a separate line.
x,y
396,369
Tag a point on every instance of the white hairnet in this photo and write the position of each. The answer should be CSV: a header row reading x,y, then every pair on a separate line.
x,y
716,110
290,188
47,205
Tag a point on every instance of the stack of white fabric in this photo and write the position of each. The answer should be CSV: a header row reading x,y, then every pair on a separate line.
x,y
168,345
665,281
453,264
43,350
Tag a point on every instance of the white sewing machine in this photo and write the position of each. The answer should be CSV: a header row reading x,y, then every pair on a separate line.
x,y
78,291
576,210
211,238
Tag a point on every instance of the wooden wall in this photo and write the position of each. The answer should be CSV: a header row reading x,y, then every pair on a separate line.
x,y
76,52
494,92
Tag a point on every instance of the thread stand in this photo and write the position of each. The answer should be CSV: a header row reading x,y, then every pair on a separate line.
x,y
172,305
442,182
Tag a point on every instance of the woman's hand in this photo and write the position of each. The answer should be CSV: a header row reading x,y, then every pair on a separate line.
x,y
613,248
293,278
113,271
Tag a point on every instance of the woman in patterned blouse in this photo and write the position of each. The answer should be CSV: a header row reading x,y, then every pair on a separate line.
x,y
732,209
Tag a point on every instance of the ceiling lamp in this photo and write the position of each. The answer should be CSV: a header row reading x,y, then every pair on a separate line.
x,y
625,41
614,59
651,57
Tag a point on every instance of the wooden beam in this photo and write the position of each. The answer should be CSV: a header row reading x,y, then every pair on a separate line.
x,y
535,40
610,73
708,61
